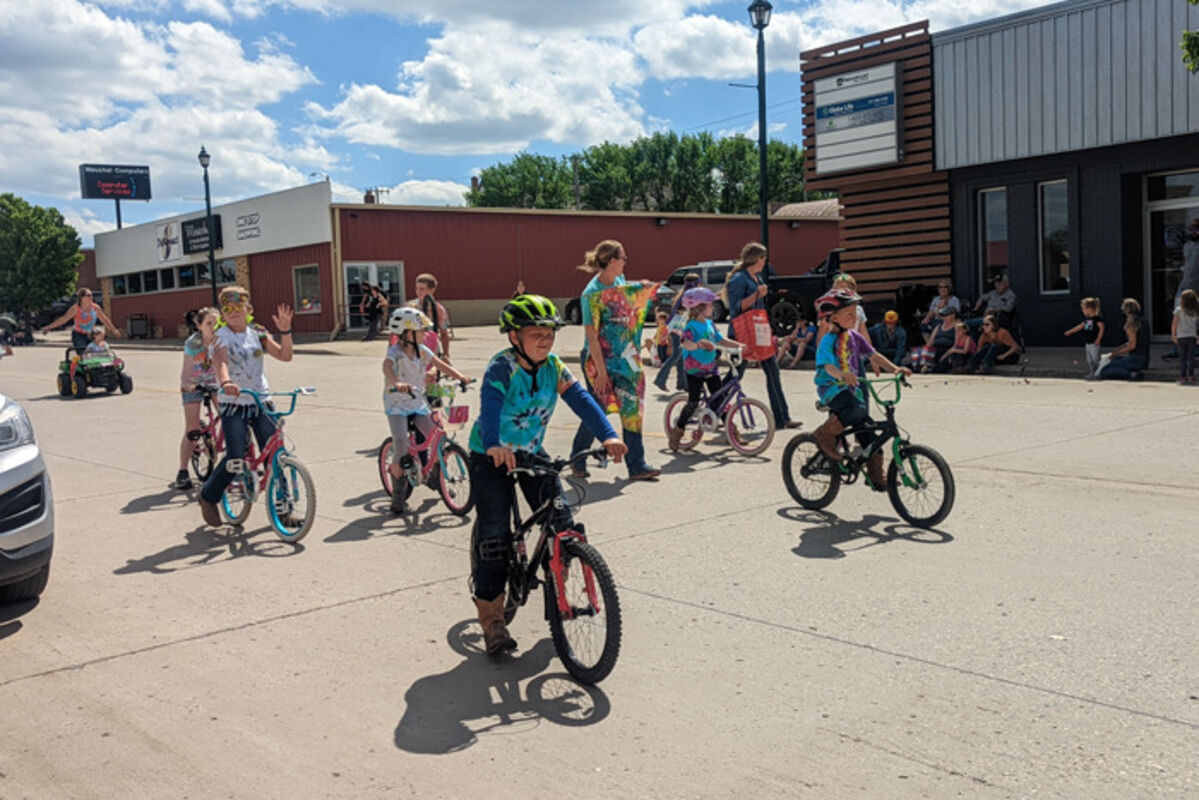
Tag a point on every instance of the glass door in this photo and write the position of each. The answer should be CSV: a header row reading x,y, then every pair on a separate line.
x,y
390,276
1167,238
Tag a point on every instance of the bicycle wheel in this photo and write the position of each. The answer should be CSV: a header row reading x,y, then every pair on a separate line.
x,y
749,427
203,457
807,473
692,433
930,500
238,498
453,480
291,498
384,459
589,642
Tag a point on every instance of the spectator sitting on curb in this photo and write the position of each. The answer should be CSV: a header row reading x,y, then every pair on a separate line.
x,y
990,344
1000,303
890,338
798,344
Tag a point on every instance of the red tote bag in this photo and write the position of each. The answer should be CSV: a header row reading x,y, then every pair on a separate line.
x,y
752,329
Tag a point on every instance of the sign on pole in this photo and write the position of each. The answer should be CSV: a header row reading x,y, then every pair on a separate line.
x,y
857,119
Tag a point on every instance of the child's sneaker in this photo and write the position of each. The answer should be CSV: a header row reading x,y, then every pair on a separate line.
x,y
182,482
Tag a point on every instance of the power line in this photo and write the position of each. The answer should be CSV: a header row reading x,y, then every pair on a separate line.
x,y
741,116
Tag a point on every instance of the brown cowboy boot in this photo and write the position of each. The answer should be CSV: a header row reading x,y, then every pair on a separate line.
x,y
674,437
496,639
875,471
826,437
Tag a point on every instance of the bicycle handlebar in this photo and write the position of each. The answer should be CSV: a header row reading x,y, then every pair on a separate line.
x,y
293,394
531,464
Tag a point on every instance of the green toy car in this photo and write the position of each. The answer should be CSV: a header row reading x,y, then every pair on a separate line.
x,y
102,370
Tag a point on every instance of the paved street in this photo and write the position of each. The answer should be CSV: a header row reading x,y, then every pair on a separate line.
x,y
1042,642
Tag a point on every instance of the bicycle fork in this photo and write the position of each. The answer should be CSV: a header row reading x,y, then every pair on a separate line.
x,y
558,573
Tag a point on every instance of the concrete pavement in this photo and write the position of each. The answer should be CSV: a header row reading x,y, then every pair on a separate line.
x,y
1041,642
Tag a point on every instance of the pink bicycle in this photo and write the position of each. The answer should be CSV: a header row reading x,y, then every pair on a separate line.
x,y
439,462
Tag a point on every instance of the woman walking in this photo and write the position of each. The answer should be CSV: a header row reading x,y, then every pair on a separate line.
x,y
85,313
611,357
745,291
375,305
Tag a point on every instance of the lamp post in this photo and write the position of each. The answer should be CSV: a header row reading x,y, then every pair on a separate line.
x,y
759,17
204,159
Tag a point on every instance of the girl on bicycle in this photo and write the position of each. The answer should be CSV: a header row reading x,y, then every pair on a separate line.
x,y
404,399
198,373
237,356
519,392
700,342
840,357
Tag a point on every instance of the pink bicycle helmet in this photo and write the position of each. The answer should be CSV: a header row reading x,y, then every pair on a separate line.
x,y
698,296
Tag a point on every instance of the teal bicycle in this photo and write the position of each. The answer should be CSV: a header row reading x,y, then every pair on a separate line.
x,y
275,473
919,481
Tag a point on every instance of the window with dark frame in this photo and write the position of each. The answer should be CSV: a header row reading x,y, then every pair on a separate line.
x,y
992,235
166,278
187,275
150,280
118,284
306,287
133,283
1053,229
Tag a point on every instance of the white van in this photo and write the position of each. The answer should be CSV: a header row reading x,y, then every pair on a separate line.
x,y
26,508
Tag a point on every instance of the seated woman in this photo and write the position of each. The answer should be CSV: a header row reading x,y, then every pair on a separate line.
x,y
944,298
941,339
1129,359
995,345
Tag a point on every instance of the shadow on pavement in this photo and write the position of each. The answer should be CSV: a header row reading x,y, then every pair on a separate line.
x,y
205,546
9,624
826,531
159,501
447,712
381,521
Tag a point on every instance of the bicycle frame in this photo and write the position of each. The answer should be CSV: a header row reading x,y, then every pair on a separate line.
x,y
444,393
274,445
884,431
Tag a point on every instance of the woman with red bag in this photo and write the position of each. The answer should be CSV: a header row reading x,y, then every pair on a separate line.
x,y
744,292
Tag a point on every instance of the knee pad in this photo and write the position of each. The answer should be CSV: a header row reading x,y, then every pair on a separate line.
x,y
492,550
235,466
194,436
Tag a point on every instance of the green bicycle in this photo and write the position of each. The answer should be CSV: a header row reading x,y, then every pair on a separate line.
x,y
919,481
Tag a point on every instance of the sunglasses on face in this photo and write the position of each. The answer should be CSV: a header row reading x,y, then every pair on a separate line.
x,y
233,308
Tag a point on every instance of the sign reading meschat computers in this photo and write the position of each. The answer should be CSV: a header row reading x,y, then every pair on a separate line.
x,y
857,119
114,182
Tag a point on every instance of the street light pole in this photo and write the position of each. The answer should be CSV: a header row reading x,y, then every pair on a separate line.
x,y
759,15
204,160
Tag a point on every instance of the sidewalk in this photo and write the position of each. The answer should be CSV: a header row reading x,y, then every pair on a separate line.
x,y
482,341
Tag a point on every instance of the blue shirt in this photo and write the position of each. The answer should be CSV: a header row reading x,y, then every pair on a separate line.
x,y
739,287
514,408
700,361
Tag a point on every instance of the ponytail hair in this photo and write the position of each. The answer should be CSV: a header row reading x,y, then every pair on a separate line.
x,y
749,254
595,260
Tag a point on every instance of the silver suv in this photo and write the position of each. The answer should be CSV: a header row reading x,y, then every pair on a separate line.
x,y
26,508
712,274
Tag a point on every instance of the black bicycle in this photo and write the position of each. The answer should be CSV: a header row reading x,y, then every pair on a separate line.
x,y
581,605
919,482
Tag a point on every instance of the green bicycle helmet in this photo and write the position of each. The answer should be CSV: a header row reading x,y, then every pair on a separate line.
x,y
529,309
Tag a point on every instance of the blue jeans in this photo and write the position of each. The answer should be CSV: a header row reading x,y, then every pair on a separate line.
x,y
774,389
1122,367
236,422
675,360
986,355
849,410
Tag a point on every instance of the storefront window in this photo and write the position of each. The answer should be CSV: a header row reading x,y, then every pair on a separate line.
x,y
133,283
992,234
1173,187
226,271
306,282
166,278
1053,225
118,284
150,280
187,275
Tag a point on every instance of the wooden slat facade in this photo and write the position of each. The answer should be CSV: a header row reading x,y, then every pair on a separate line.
x,y
896,218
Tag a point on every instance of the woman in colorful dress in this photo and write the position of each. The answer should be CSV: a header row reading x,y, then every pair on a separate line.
x,y
85,313
613,313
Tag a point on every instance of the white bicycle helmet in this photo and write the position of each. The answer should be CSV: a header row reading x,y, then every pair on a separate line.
x,y
408,319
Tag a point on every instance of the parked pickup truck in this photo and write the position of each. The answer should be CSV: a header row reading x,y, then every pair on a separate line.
x,y
790,295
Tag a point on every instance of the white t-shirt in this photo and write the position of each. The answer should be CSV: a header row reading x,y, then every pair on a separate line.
x,y
411,371
1187,325
245,356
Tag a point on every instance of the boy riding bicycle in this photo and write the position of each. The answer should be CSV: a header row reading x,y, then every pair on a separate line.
x,y
517,397
839,357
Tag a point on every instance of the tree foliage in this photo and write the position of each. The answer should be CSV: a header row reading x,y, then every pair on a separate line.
x,y
1190,46
663,172
39,254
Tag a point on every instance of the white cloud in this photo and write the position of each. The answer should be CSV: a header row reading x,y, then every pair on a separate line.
x,y
85,222
428,193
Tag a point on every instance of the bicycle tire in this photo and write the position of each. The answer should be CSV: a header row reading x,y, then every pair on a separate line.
x,y
238,499
453,482
903,498
692,434
811,480
749,427
203,457
588,644
384,459
298,490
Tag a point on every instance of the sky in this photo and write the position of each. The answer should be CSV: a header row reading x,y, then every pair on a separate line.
x,y
413,97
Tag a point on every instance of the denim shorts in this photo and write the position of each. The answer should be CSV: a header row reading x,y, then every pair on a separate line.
x,y
192,397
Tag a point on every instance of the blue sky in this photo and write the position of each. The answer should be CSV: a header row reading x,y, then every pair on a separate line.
x,y
411,96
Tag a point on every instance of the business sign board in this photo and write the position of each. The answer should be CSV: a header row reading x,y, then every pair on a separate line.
x,y
195,234
857,119
114,182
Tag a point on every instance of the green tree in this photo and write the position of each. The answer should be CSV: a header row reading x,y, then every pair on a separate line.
x,y
1190,46
39,254
784,172
604,177
735,160
528,181
693,187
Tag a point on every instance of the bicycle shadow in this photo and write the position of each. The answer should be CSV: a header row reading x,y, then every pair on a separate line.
x,y
159,501
449,711
204,546
417,520
827,531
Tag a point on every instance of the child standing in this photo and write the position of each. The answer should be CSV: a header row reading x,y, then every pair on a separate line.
x,y
1092,330
1183,330
197,375
237,355
517,397
700,341
404,397
841,355
658,346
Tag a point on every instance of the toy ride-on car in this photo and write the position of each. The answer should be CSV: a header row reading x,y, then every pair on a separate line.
x,y
102,370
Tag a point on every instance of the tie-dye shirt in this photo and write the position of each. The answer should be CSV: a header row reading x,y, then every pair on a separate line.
x,y
700,362
848,352
525,404
202,371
